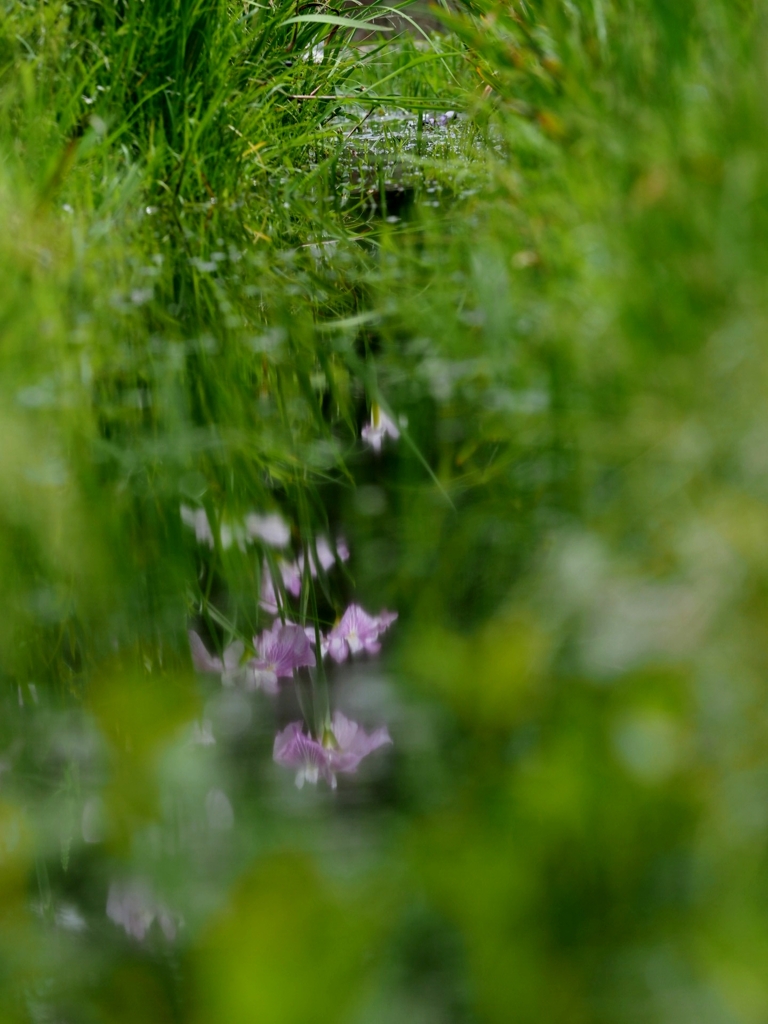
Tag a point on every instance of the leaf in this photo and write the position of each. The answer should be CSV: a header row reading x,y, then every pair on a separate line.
x,y
333,19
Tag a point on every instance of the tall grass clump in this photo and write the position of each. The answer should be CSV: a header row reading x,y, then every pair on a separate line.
x,y
137,169
192,90
591,381
158,361
466,326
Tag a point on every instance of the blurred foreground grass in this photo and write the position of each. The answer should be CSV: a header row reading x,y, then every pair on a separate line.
x,y
201,302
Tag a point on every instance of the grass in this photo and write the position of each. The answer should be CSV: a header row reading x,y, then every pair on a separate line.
x,y
201,303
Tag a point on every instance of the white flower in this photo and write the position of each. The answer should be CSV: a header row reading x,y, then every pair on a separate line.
x,y
380,427
270,528
198,520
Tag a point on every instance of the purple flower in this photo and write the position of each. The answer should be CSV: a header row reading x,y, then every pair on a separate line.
x,y
280,650
270,528
229,666
380,427
352,743
385,620
441,119
268,595
312,637
294,749
344,746
291,575
357,631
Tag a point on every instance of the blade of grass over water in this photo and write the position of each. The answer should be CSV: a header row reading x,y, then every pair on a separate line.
x,y
336,20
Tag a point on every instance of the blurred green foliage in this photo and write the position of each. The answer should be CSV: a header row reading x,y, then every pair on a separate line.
x,y
200,304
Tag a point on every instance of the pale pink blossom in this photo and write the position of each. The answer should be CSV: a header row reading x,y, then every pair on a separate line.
x,y
343,747
381,426
385,620
271,528
323,555
292,573
357,631
229,667
268,596
295,749
352,743
201,658
291,577
312,637
134,906
279,651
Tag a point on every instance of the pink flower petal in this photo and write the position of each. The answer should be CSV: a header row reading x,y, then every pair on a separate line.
x,y
201,659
